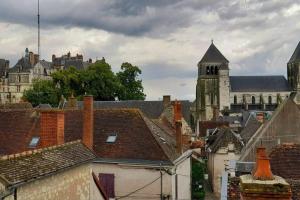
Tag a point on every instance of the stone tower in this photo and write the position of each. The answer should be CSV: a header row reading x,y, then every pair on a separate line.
x,y
293,70
212,90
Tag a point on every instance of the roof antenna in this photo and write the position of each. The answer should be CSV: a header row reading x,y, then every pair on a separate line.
x,y
39,44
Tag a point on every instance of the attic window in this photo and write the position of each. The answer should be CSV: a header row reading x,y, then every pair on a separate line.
x,y
111,138
34,141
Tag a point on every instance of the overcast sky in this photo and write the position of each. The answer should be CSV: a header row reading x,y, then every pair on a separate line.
x,y
165,38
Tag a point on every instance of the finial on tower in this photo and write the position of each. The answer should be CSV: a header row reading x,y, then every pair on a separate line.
x,y
212,41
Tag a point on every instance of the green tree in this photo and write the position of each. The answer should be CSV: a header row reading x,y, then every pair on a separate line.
x,y
42,92
99,81
131,87
68,81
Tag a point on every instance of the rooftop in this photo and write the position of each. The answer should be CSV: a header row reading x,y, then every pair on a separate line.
x,y
31,165
259,84
213,55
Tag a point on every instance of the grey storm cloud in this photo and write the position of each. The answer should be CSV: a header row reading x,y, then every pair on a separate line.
x,y
165,38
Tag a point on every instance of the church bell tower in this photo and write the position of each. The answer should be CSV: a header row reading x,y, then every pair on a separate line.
x,y
212,90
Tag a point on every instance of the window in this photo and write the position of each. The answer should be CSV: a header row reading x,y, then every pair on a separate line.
x,y
34,142
235,99
207,70
111,138
108,183
253,100
212,70
216,70
270,99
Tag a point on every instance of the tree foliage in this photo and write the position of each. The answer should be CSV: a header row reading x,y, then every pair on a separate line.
x,y
132,87
42,92
98,80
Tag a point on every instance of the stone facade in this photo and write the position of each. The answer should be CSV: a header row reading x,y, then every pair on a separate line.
x,y
71,184
217,90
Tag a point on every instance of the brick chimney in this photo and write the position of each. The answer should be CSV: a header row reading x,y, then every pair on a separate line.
x,y
166,100
178,125
88,121
262,184
52,128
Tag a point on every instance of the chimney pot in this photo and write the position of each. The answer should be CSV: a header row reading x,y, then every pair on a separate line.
x,y
88,121
263,167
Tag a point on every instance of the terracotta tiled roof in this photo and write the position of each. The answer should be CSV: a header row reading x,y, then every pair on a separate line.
x,y
134,138
16,130
35,164
285,161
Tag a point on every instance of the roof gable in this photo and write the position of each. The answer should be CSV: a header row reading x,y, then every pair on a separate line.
x,y
259,84
296,55
213,55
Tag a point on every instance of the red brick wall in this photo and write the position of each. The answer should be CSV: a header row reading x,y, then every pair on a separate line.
x,y
88,121
52,128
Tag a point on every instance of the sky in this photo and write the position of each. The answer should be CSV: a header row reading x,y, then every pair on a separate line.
x,y
165,38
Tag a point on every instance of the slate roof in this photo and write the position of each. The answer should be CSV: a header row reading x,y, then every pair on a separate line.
x,y
259,84
296,55
78,64
28,166
213,55
152,109
251,126
285,161
23,65
222,138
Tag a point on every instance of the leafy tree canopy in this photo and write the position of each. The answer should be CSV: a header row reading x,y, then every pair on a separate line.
x,y
132,87
98,80
42,92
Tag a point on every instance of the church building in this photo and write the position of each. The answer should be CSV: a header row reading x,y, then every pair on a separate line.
x,y
217,91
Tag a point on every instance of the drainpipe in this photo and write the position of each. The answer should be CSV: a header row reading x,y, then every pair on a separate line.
x,y
161,182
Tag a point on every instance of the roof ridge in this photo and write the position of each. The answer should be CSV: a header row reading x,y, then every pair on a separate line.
x,y
36,151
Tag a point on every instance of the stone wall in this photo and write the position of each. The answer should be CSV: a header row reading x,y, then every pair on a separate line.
x,y
71,184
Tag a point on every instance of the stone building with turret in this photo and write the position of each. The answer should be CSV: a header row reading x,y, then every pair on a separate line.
x,y
218,92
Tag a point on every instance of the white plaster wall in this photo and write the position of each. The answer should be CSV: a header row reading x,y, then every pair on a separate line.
x,y
131,178
216,166
183,172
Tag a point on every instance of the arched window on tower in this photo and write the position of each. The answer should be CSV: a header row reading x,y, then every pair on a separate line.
x,y
216,70
235,99
253,100
270,100
207,70
211,70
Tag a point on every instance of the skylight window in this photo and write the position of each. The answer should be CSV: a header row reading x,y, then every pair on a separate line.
x,y
34,142
111,138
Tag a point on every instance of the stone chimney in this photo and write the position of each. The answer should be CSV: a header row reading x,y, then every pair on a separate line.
x,y
178,126
52,128
88,121
166,100
262,184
